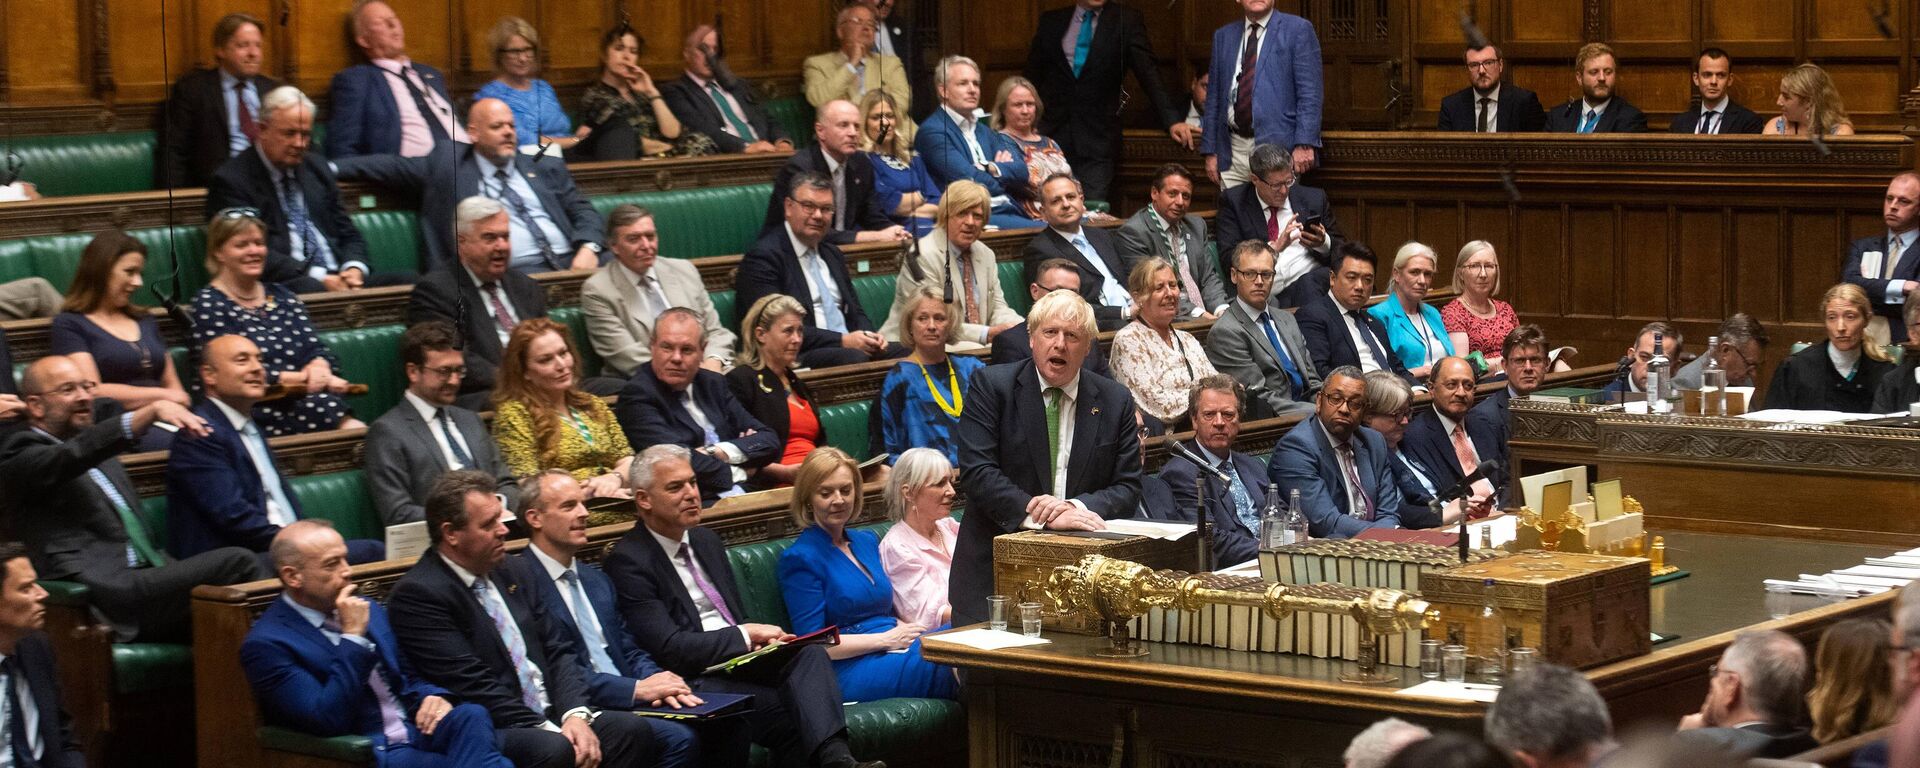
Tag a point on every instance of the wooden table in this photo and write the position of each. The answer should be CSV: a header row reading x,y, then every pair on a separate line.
x,y
1058,706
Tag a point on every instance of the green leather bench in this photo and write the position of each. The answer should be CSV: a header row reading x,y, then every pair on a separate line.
x,y
794,115
393,239
1013,284
846,427
370,356
56,257
90,164
588,361
705,221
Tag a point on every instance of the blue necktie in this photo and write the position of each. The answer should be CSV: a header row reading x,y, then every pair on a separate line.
x,y
313,248
1587,123
453,441
1242,503
269,477
1286,361
829,301
589,624
521,212
1373,345
1084,41
140,549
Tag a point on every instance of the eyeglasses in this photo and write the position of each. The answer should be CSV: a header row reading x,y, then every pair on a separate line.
x,y
1481,267
1281,184
1258,276
813,209
1737,352
1476,66
72,387
237,213
1342,402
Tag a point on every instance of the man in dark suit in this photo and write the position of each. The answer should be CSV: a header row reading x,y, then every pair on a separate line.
x,y
956,144
389,105
1755,699
1164,229
1741,350
1103,277
1336,325
856,216
1234,506
710,99
1015,345
1599,108
796,259
479,295
1633,368
1712,78
1266,89
223,489
26,668
1523,356
1898,390
1887,266
1342,469
797,713
673,400
474,629
426,434
71,501
323,661
210,113
1079,60
1016,472
1447,443
1262,346
1489,105
1293,219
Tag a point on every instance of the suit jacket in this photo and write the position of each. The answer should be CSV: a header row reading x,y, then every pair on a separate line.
x,y
657,609
1759,740
1157,503
1238,347
1139,241
307,683
1082,109
1287,91
1518,111
1907,269
942,272
245,182
193,138
773,267
944,147
449,294
1330,344
215,498
1243,217
1418,488
1003,464
1898,390
1807,381
863,207
1427,441
622,336
605,690
1304,460
1014,345
651,414
1233,543
1736,120
57,747
363,117
763,396
1404,337
1489,418
1049,244
825,77
404,460
453,643
1620,117
696,111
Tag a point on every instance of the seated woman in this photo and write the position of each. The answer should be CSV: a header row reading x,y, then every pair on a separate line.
x,y
900,179
1809,105
113,340
1841,373
1851,692
953,262
921,398
762,380
537,114
1389,407
625,99
917,552
1476,321
543,420
236,302
1414,329
833,576
1156,361
1016,115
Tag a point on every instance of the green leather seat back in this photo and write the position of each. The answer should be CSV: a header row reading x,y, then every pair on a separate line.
x,y
393,239
16,259
794,116
723,306
181,246
922,732
707,221
876,297
1013,284
370,356
341,498
754,569
57,257
845,425
576,322
89,164
141,667
352,750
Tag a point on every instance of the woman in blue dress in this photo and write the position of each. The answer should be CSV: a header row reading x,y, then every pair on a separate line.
x,y
832,576
537,115
900,179
920,399
113,340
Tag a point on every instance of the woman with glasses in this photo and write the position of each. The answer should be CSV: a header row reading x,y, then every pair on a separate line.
x,y
1156,361
1476,321
1016,115
1414,329
111,339
543,420
900,179
1841,373
626,94
762,379
537,114
237,302
1389,407
921,398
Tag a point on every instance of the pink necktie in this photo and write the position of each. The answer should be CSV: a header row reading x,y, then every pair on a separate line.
x,y
1463,450
1353,481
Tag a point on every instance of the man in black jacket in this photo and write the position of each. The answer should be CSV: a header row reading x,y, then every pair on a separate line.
x,y
710,99
856,216
210,113
23,616
478,295
673,400
1489,105
1599,108
798,258
1713,78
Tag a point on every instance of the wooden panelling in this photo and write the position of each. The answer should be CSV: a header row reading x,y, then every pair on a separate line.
x,y
1553,21
1750,21
44,51
1650,21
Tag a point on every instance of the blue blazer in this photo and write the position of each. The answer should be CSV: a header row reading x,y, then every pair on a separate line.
x,y
365,119
1427,442
651,415
1286,87
940,142
1304,460
603,690
215,498
1401,334
305,682
817,596
1232,542
1489,417
1876,288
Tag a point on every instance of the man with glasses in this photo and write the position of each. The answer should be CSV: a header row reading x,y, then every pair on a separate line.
x,y
426,435
1294,219
1489,105
1523,356
797,260
1014,345
1260,345
1741,349
856,216
1342,469
1756,699
1234,505
857,67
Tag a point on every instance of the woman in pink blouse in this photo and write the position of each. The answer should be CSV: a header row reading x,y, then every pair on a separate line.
x,y
917,553
1476,321
1157,362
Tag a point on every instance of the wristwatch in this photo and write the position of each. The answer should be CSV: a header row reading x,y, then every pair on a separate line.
x,y
580,712
595,247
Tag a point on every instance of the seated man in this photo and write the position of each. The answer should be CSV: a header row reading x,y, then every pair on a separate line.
x,y
1156,497
1447,443
1632,379
1341,469
1741,351
1103,278
1015,345
1337,328
709,99
390,105
678,597
479,295
223,489
209,111
1259,345
1898,390
72,503
795,259
323,661
1886,265
1524,359
1549,716
425,435
856,68
1599,109
673,400
475,629
1165,230
1755,699
1488,105
1294,220
957,144
1377,745
623,301
1716,112
856,216
1234,506
39,732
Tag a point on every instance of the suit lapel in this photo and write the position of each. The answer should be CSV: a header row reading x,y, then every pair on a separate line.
x,y
1086,423
1330,473
1030,407
423,433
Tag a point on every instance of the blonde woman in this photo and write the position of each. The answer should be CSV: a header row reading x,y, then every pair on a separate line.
x,y
1156,361
762,381
1841,373
1016,115
1476,321
921,398
900,180
537,114
1809,105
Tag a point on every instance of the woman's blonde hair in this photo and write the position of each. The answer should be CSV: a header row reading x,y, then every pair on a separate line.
x,y
226,225
1825,109
819,465
1407,252
1469,251
1006,91
511,386
761,316
1851,295
1140,278
913,469
901,147
503,33
923,293
1851,693
961,195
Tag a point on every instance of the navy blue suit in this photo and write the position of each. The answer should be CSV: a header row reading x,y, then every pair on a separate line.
x,y
941,143
1330,344
57,748
1243,217
1876,287
1156,502
1620,117
364,118
771,266
1233,542
1417,489
1304,460
307,683
652,414
1287,88
1428,443
1489,418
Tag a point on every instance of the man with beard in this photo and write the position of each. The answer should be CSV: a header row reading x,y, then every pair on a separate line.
x,y
1599,109
1489,105
426,435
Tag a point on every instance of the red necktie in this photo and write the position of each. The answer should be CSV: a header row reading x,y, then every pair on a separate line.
x,y
1243,85
247,126
1273,225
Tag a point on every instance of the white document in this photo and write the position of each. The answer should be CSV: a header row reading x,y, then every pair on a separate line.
x,y
1882,571
1805,417
1152,529
406,540
1870,263
985,639
1441,689
1531,485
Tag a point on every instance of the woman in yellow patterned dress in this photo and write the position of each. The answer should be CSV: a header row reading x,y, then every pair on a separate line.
x,y
542,420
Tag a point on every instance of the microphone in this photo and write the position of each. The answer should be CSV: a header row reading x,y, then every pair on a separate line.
x,y
1203,464
1488,471
1203,521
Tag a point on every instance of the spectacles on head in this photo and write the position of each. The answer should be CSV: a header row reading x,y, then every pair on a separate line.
x,y
237,213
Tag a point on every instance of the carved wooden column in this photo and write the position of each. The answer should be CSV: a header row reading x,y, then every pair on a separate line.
x,y
1593,22
94,16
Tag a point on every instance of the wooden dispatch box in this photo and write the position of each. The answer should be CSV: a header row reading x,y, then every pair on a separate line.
x,y
1579,610
1026,558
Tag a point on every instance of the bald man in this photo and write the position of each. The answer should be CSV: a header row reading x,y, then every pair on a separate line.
x,y
72,503
389,105
710,99
857,216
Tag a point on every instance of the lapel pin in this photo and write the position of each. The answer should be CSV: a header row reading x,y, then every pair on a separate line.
x,y
513,589
1096,410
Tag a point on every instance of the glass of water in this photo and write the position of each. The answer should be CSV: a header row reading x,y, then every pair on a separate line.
x,y
1030,619
1453,663
1520,660
1779,601
997,612
1430,659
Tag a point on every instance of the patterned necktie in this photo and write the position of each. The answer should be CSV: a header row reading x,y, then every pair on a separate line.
x,y
520,211
243,114
1706,121
392,716
1273,225
460,455
832,318
298,221
1484,123
1366,334
1892,261
1243,85
740,127
1286,360
840,196
500,313
140,549
509,632
428,114
705,587
1463,450
280,512
1587,124
18,743
1352,469
1242,501
588,621
1084,41
968,298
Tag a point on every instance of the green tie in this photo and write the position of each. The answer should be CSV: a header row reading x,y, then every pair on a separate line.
x,y
1053,430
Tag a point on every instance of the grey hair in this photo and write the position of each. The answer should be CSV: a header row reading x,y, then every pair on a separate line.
x,y
1742,328
915,468
1907,615
533,488
474,210
940,70
1548,711
1380,742
1267,158
1386,392
640,474
686,315
1773,673
285,549
282,98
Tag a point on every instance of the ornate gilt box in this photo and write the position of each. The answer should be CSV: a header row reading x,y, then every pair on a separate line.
x,y
1027,558
1579,610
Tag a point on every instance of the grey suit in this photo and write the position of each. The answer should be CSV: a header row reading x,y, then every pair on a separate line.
x,y
1239,348
622,336
404,460
1139,240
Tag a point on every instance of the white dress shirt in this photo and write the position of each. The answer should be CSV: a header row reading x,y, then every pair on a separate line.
x,y
824,294
967,123
1719,108
430,413
1493,108
30,715
1355,332
486,302
710,618
1240,56
1293,261
276,515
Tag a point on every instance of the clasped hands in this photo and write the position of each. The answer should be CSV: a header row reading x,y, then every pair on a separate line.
x,y
1049,511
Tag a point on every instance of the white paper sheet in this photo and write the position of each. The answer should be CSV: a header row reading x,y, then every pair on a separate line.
x,y
986,639
1153,529
1441,689
1788,415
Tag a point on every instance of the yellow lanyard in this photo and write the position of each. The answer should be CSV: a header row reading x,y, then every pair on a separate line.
x,y
953,383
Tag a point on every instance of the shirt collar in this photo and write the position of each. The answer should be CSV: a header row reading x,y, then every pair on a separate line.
x,y
670,546
832,164
1285,206
466,577
274,171
698,81
428,411
1211,459
1251,311
312,616
1905,239
964,121
1600,107
554,569
393,65
1492,95
799,248
1718,106
1071,389
1329,435
1077,232
477,282
238,419
1446,421
1173,224
633,278
1341,308
488,167
1262,21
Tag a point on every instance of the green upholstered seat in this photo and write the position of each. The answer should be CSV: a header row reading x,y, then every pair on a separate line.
x,y
705,221
57,257
794,116
141,667
354,750
576,322
393,240
876,297
920,732
845,425
370,356
341,498
754,570
1013,283
723,306
87,164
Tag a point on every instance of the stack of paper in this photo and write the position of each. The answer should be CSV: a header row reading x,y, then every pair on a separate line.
x,y
1876,575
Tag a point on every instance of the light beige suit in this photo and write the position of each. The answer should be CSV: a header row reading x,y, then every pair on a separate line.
x,y
941,273
827,78
622,331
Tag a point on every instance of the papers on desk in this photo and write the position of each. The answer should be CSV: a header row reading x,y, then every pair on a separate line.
x,y
1790,416
1441,689
1876,575
986,639
1152,529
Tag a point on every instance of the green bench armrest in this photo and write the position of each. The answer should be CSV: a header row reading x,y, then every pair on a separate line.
x,y
70,594
349,749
